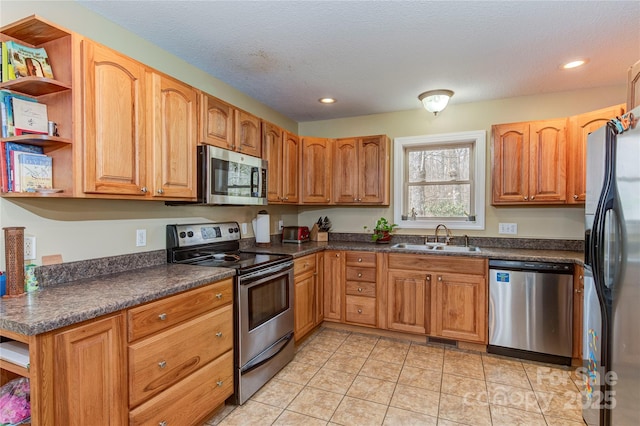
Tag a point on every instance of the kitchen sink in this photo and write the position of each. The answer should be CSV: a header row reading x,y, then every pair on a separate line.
x,y
437,247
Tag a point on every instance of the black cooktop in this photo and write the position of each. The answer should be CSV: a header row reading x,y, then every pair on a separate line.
x,y
244,262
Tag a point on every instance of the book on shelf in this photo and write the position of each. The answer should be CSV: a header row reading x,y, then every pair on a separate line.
x,y
28,61
6,105
29,117
5,160
8,72
31,171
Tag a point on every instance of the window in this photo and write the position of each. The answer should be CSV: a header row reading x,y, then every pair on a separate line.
x,y
440,179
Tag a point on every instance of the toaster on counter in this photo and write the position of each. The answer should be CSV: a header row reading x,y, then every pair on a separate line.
x,y
295,234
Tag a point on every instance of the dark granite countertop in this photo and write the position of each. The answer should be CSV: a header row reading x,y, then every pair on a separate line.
x,y
54,307
303,249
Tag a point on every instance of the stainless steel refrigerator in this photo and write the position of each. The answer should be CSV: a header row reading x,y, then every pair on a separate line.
x,y
611,340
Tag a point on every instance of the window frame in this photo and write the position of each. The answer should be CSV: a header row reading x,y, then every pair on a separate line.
x,y
478,139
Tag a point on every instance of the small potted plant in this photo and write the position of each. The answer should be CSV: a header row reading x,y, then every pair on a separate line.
x,y
382,231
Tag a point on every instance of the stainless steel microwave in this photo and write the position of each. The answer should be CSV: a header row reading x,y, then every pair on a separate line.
x,y
228,177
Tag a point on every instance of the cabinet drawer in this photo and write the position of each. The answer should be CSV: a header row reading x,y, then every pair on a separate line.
x,y
162,314
191,400
355,273
361,310
304,264
356,288
429,262
160,361
356,258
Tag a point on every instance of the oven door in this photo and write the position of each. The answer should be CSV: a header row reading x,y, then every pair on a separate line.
x,y
265,313
232,178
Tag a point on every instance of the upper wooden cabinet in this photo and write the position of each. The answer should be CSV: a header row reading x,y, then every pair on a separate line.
x,y
633,87
171,124
228,127
281,150
361,170
316,170
529,163
579,128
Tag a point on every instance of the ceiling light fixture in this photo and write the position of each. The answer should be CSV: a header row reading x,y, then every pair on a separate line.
x,y
327,101
574,64
435,100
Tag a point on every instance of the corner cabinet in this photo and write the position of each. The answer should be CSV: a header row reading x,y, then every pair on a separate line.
x,y
281,150
529,163
316,170
579,128
361,170
60,94
139,128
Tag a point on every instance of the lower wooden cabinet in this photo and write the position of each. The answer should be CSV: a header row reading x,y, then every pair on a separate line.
x,y
408,294
90,376
307,302
333,285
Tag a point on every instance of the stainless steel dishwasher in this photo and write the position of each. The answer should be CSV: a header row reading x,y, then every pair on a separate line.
x,y
531,310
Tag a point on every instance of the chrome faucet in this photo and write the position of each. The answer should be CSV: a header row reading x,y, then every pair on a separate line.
x,y
448,235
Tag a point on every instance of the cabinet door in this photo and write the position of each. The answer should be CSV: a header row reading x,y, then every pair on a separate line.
x,y
580,126
373,170
510,171
172,137
633,87
272,152
345,171
114,130
248,136
333,284
304,302
459,307
319,284
407,301
548,161
578,301
90,379
216,122
291,169
316,170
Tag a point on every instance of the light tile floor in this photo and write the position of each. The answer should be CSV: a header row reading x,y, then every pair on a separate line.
x,y
344,378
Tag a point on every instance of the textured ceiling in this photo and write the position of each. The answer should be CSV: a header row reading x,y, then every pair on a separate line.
x,y
377,56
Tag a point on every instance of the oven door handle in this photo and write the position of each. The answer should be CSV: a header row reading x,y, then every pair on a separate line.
x,y
269,353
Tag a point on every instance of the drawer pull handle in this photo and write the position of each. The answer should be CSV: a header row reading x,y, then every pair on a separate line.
x,y
219,296
219,334
162,364
162,423
359,274
219,383
359,311
162,316
360,289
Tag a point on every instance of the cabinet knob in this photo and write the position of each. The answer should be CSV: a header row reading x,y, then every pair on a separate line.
x,y
575,196
359,199
359,259
580,277
219,334
439,277
162,423
286,198
219,296
162,364
219,383
526,198
533,197
337,254
359,289
359,311
577,290
327,200
306,265
355,199
162,316
429,278
144,190
160,191
359,275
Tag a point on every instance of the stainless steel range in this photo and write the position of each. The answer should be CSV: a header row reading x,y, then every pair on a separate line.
x,y
263,298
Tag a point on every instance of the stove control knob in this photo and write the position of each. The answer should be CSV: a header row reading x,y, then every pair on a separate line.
x,y
236,229
190,234
231,230
183,234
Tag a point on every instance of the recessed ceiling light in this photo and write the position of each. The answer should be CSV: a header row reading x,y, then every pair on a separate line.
x,y
327,101
574,64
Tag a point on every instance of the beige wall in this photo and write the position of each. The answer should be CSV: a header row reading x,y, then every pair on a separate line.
x,y
84,229
543,222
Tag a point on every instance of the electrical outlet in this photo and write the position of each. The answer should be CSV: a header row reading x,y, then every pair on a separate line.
x,y
29,248
244,228
280,225
141,237
508,228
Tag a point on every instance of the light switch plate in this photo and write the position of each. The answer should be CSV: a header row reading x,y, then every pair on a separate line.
x,y
508,228
141,237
